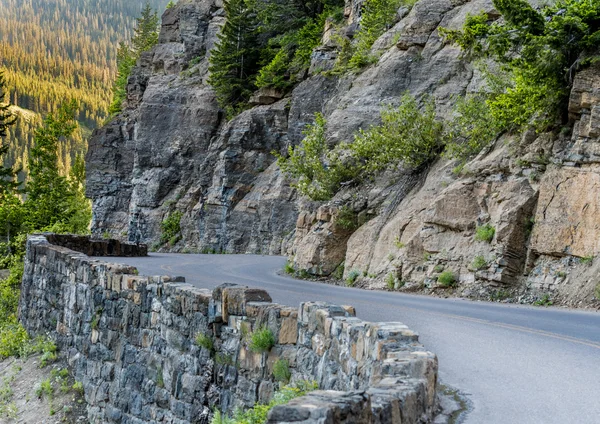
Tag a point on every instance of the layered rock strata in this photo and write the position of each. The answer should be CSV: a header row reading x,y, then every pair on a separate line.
x,y
130,340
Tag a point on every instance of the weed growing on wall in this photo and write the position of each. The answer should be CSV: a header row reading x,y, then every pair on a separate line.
x,y
262,340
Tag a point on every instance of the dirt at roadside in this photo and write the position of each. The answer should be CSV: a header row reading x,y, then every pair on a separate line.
x,y
30,394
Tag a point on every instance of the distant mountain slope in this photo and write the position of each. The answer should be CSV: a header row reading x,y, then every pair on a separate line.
x,y
56,50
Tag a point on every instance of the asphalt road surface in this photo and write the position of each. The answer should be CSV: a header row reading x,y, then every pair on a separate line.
x,y
514,364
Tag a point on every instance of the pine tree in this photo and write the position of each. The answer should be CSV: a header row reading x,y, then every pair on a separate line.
x,y
146,31
6,116
48,193
125,63
145,37
10,204
234,62
7,174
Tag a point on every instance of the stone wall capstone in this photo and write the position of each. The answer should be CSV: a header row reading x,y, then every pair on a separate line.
x,y
131,341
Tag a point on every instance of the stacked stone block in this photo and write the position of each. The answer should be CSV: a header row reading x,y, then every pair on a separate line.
x,y
131,340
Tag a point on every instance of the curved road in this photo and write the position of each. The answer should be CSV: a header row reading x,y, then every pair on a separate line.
x,y
515,364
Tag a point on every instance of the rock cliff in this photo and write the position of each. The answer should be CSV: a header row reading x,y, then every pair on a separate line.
x,y
173,150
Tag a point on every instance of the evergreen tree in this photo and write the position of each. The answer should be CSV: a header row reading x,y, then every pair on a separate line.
x,y
48,192
146,31
7,119
10,204
234,62
6,116
145,37
125,63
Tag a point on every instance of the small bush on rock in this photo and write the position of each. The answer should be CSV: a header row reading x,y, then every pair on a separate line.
x,y
390,281
485,233
479,262
171,228
205,341
281,371
351,278
447,279
262,340
258,414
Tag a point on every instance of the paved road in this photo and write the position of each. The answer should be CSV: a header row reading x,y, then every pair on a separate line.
x,y
516,364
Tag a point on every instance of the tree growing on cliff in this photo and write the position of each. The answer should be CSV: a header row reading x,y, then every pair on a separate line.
x,y
234,62
145,37
146,31
540,50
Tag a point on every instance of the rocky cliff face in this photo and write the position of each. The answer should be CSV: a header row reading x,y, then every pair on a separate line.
x,y
172,150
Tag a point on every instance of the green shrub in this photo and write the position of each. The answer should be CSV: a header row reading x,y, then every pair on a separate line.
x,y
223,359
377,16
390,281
438,268
485,233
479,262
338,274
447,279
471,128
262,340
258,414
540,49
318,171
407,134
12,338
171,228
281,371
351,278
288,268
78,388
205,342
47,358
45,389
544,301
398,243
586,260
346,219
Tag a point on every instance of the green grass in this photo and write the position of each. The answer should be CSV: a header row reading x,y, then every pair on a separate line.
x,y
398,243
544,301
281,371
262,340
438,268
390,281
351,278
485,233
338,274
78,387
223,359
447,279
586,260
45,389
479,262
288,268
258,414
205,342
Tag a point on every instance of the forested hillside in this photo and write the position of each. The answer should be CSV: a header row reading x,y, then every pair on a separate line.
x,y
54,51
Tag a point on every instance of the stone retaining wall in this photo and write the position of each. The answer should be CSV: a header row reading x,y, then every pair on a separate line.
x,y
131,340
